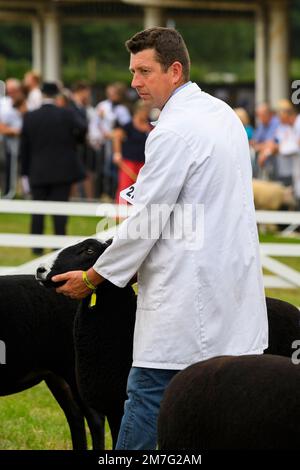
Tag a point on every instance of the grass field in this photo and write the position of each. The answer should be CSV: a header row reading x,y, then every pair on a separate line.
x,y
11,223
32,419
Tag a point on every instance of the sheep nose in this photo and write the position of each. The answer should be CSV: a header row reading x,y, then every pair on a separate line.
x,y
41,272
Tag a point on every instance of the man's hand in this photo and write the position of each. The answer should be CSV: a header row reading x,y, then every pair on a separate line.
x,y
117,158
25,184
74,285
262,158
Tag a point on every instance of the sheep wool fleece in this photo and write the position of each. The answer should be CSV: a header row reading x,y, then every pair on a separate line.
x,y
200,294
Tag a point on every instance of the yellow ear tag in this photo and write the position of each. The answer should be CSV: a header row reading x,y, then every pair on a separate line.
x,y
93,299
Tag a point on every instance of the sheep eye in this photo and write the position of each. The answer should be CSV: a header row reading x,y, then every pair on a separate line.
x,y
90,251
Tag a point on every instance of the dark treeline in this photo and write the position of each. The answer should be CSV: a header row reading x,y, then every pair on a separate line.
x,y
95,51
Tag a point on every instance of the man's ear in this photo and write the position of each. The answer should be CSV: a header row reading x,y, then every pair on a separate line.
x,y
177,72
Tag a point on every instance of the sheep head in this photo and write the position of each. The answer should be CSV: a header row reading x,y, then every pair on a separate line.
x,y
81,256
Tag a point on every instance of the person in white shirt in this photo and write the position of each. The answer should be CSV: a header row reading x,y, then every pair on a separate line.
x,y
295,122
109,113
199,274
285,147
12,109
113,110
32,82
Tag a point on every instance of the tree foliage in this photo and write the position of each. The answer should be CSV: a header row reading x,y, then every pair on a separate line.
x,y
96,51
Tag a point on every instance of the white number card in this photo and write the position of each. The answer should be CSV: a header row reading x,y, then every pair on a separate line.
x,y
128,194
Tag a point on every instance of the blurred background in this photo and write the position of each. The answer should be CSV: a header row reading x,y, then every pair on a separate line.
x,y
230,42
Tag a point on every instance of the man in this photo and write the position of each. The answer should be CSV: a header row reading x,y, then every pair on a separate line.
x,y
10,126
32,81
110,113
48,155
80,105
285,148
199,296
268,123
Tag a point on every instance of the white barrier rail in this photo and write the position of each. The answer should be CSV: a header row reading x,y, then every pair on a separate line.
x,y
280,249
37,241
285,276
94,209
31,266
278,217
87,209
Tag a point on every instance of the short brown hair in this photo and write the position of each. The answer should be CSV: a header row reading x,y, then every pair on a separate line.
x,y
36,76
168,44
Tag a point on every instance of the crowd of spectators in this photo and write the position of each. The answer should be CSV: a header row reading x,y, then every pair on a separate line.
x,y
275,144
103,122
59,143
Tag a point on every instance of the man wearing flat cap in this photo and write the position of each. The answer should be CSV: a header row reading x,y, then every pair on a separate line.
x,y
48,155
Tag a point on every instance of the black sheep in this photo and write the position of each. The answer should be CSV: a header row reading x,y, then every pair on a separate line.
x,y
284,327
232,403
103,334
245,402
36,327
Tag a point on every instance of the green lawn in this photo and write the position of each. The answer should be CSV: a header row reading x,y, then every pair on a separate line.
x,y
290,295
15,223
32,419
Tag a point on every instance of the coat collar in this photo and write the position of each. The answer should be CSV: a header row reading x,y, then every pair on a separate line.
x,y
181,95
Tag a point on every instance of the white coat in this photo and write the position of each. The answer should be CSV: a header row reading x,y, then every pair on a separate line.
x,y
197,298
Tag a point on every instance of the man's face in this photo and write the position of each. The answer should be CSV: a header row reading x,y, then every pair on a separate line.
x,y
263,115
113,94
12,90
153,85
18,97
284,117
85,96
29,81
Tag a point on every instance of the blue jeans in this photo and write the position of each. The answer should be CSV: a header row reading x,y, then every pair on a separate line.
x,y
145,389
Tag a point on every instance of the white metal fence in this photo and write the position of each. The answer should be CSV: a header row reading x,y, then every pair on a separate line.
x,y
52,241
282,276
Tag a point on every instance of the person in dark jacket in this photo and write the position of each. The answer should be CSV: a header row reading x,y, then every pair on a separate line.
x,y
80,105
48,155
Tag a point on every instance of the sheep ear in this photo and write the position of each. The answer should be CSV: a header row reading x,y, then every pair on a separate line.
x,y
108,242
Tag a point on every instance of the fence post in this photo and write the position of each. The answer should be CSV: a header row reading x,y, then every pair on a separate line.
x,y
2,352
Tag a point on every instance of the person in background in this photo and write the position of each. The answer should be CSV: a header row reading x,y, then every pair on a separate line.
x,y
268,122
64,98
284,148
264,133
12,108
129,147
245,119
48,155
111,113
79,104
12,85
32,82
